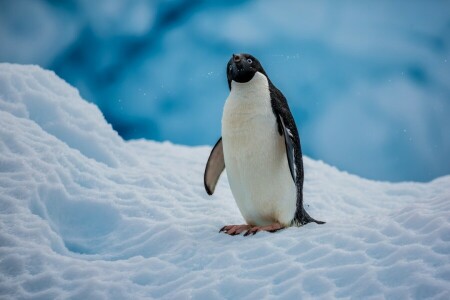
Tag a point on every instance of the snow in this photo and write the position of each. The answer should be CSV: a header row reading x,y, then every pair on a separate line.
x,y
87,215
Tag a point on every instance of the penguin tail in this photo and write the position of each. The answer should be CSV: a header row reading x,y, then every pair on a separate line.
x,y
304,218
317,221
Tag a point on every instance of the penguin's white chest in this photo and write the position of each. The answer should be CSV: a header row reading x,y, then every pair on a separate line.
x,y
255,155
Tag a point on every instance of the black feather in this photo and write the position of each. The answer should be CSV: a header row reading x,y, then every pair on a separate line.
x,y
285,121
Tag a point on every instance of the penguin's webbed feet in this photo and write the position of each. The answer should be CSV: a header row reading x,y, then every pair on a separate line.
x,y
249,229
269,228
235,229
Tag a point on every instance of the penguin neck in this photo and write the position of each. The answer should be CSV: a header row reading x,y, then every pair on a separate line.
x,y
256,84
252,97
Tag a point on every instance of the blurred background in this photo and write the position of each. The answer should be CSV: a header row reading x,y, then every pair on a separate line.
x,y
368,82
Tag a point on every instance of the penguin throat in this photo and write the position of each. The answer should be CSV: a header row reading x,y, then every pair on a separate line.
x,y
257,82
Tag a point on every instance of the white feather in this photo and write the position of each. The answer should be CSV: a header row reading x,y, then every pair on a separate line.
x,y
255,155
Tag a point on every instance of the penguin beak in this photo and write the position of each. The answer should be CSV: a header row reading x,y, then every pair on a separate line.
x,y
236,58
237,63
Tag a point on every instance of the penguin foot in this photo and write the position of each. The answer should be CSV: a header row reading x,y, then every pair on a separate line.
x,y
269,228
235,229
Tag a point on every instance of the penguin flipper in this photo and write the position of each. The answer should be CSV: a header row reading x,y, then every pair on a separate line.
x,y
214,167
290,150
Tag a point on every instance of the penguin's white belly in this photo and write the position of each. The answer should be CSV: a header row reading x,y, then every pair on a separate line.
x,y
255,156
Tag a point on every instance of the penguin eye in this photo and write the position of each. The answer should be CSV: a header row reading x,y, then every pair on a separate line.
x,y
249,60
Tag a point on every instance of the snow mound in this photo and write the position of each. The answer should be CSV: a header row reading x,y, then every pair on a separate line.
x,y
86,215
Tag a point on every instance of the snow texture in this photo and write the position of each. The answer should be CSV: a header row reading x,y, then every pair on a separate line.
x,y
86,215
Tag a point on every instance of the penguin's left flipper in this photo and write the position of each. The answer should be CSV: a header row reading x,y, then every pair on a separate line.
x,y
214,167
290,149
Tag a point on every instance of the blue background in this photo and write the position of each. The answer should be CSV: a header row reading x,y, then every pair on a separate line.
x,y
368,82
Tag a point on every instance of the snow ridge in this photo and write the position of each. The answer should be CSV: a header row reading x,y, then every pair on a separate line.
x,y
86,215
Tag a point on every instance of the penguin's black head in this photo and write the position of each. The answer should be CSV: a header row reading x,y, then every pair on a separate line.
x,y
242,68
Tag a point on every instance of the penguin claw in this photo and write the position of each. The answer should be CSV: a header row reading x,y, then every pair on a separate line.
x,y
270,228
234,229
247,233
250,230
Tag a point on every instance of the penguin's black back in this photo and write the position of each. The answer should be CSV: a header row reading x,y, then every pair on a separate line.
x,y
280,107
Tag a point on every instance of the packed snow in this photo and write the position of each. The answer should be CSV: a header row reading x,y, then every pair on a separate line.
x,y
87,215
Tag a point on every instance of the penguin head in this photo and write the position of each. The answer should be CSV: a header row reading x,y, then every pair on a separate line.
x,y
242,67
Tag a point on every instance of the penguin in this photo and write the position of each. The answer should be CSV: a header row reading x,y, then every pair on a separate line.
x,y
260,150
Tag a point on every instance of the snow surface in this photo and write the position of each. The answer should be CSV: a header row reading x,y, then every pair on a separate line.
x,y
86,215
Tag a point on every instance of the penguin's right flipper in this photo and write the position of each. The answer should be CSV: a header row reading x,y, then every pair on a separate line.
x,y
290,148
214,167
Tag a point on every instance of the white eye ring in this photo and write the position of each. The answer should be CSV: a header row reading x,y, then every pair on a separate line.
x,y
249,60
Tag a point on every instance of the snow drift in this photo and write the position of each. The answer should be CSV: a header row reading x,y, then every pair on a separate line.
x,y
86,215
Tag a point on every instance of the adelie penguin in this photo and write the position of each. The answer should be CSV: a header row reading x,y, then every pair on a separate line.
x,y
260,149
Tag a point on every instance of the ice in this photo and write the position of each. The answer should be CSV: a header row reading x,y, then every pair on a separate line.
x,y
356,74
87,215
